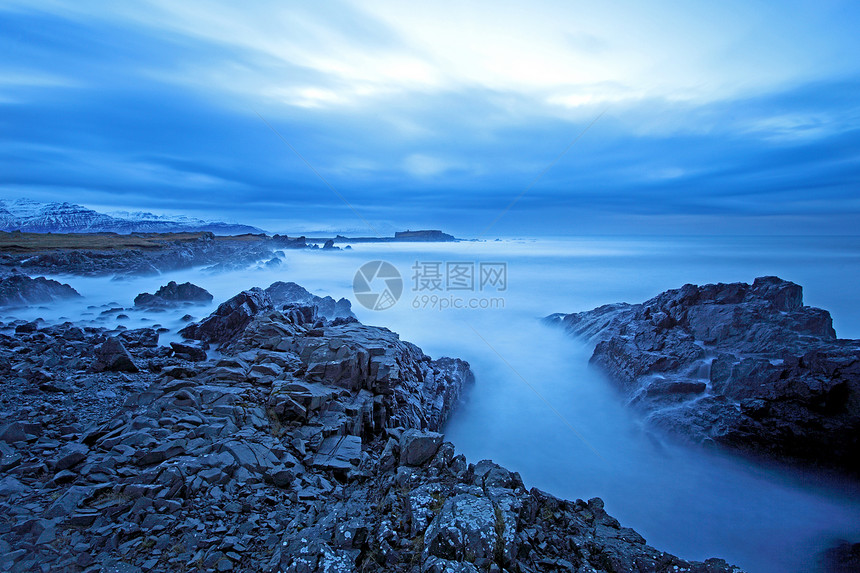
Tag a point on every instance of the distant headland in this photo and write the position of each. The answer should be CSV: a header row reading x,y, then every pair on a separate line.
x,y
426,236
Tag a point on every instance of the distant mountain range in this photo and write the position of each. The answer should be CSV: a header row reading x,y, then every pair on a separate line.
x,y
34,217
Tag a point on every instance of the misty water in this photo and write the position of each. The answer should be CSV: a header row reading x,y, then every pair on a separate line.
x,y
539,409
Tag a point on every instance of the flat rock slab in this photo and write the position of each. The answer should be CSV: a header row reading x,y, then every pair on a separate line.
x,y
338,453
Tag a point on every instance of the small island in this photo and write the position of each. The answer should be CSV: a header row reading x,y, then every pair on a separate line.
x,y
424,236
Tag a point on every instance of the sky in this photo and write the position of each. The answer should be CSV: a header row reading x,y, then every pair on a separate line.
x,y
484,119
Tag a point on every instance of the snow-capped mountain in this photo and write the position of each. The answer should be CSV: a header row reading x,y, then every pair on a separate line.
x,y
33,217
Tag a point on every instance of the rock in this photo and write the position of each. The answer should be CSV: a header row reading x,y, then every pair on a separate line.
x,y
188,351
388,458
27,327
112,355
172,294
10,487
9,460
67,502
464,530
746,366
12,432
145,337
285,293
231,317
281,476
844,557
338,453
21,290
417,447
70,456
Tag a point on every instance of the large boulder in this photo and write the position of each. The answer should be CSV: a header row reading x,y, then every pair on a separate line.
x,y
745,366
112,355
230,318
417,447
21,290
173,293
465,529
189,352
287,293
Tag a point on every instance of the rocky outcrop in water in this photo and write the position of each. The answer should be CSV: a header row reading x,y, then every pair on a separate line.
x,y
172,294
308,445
21,290
744,366
230,318
284,293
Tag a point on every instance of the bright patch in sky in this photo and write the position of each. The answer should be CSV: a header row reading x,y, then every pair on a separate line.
x,y
439,114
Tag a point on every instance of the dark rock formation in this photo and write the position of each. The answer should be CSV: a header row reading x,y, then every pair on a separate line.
x,y
172,293
745,366
423,236
303,448
112,355
189,352
842,558
21,290
283,293
285,242
233,316
230,318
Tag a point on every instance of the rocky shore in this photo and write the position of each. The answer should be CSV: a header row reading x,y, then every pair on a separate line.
x,y
744,366
145,254
103,254
18,289
281,435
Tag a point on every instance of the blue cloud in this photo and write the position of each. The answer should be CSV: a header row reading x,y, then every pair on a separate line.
x,y
111,110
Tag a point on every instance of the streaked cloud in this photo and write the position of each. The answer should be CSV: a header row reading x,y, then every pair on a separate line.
x,y
438,114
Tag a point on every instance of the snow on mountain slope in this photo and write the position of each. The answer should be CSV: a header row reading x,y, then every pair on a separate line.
x,y
34,217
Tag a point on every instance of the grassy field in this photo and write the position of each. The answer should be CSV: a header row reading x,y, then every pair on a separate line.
x,y
16,242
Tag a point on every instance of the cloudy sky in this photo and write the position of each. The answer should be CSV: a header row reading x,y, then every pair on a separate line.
x,y
592,117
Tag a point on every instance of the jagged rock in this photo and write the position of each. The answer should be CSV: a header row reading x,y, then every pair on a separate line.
x,y
283,293
112,355
12,432
464,530
21,290
281,455
145,337
844,557
230,318
27,327
745,366
416,447
188,351
172,293
70,456
338,453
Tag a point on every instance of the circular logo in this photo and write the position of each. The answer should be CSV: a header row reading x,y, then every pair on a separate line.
x,y
377,285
